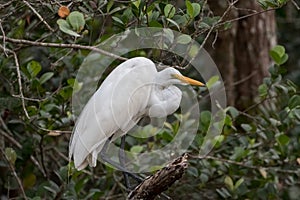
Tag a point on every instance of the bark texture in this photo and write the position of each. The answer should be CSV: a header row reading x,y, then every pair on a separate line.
x,y
161,180
242,52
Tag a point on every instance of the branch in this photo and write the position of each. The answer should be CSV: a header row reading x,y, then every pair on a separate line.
x,y
247,165
58,45
245,16
39,16
19,78
160,181
12,168
10,139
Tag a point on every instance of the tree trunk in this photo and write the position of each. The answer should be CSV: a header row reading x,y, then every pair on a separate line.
x,y
242,52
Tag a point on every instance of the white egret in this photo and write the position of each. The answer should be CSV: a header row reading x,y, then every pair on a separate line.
x,y
132,90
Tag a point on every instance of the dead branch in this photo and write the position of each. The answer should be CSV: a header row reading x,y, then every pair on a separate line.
x,y
160,181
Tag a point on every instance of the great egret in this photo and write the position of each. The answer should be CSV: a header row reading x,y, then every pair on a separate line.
x,y
132,90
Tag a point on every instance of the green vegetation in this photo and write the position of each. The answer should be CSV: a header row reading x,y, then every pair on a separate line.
x,y
256,157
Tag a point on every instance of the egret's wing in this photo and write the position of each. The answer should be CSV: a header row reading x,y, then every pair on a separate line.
x,y
114,108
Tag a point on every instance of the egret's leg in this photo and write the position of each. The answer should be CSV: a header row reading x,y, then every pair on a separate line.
x,y
103,155
122,159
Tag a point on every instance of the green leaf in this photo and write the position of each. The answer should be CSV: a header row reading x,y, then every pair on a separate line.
x,y
136,149
66,92
233,111
189,9
76,20
184,39
205,117
228,120
34,68
283,140
155,168
219,139
169,11
203,178
283,59
229,183
74,84
203,25
65,27
11,155
174,23
193,171
275,57
45,77
212,81
238,183
246,127
263,90
294,102
278,54
239,153
196,9
296,114
223,192
279,50
193,51
209,21
29,181
109,5
117,20
263,4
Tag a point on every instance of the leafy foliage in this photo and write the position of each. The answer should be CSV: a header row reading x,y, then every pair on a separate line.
x,y
256,157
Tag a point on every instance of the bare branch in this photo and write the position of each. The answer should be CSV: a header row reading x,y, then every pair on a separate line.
x,y
9,137
245,16
12,168
59,45
247,165
19,79
295,4
161,180
39,16
3,33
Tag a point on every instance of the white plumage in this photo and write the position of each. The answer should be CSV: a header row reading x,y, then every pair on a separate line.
x,y
132,90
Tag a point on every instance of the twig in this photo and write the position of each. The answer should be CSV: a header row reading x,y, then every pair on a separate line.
x,y
28,99
14,173
3,33
215,25
248,166
244,79
42,155
19,79
58,45
245,16
18,145
295,4
5,4
39,16
161,180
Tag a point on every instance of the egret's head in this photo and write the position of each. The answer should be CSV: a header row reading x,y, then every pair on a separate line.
x,y
173,76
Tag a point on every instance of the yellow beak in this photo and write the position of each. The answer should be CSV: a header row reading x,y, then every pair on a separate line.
x,y
188,80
